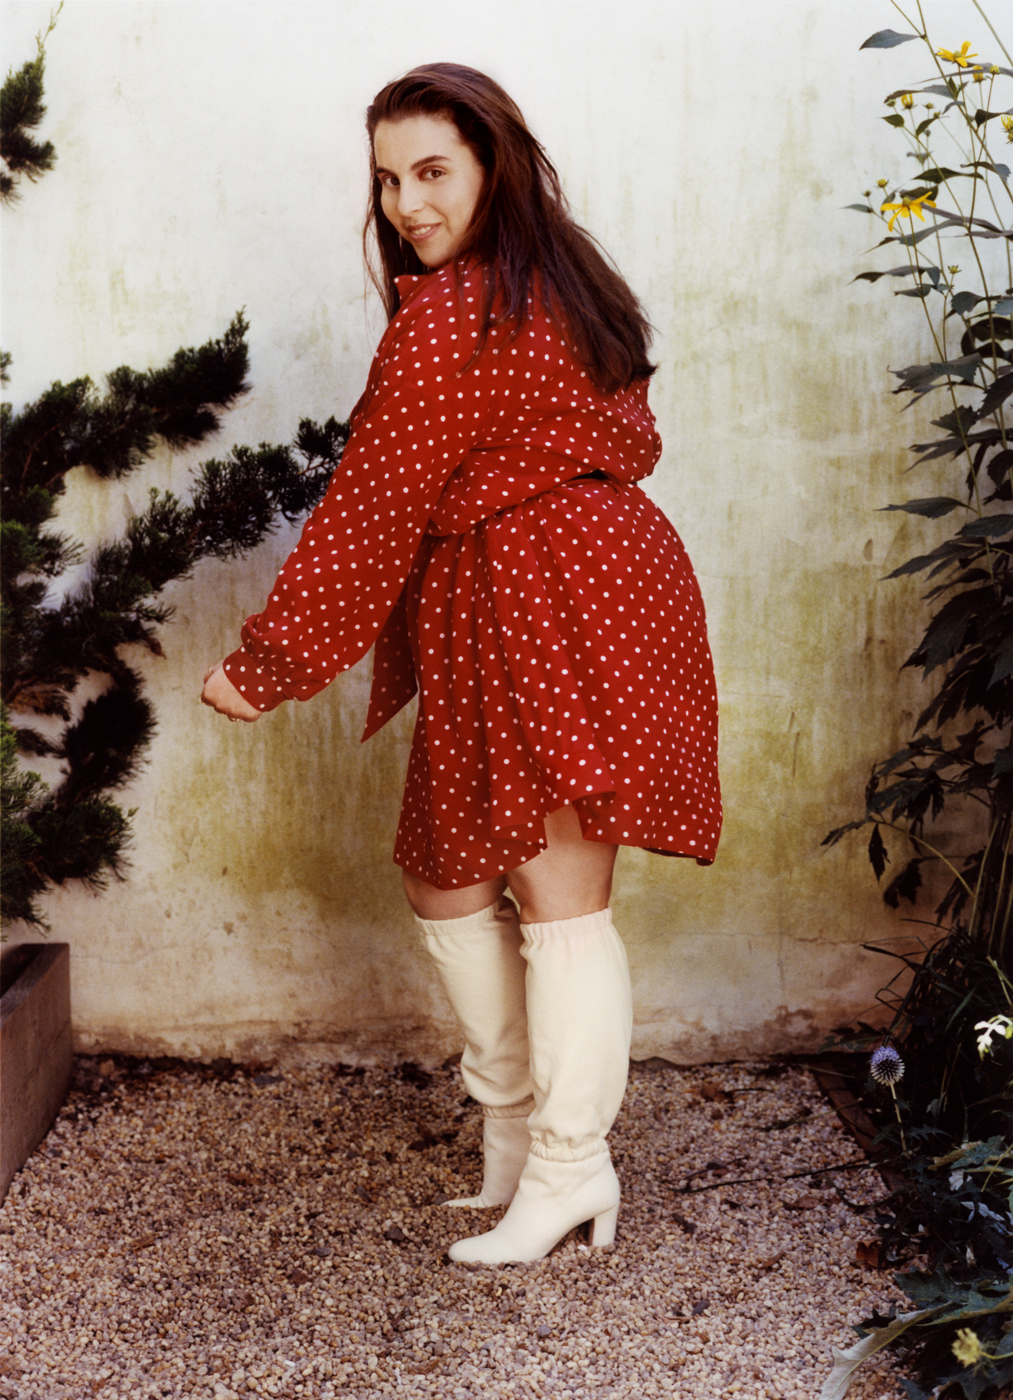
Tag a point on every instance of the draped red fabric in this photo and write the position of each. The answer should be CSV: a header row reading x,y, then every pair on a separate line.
x,y
485,532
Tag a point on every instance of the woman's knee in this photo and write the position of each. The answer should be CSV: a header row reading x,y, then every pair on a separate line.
x,y
544,896
429,902
570,878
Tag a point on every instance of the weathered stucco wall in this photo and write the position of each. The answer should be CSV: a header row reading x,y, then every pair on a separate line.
x,y
211,158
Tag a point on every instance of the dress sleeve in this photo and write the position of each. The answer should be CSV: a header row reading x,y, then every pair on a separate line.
x,y
416,422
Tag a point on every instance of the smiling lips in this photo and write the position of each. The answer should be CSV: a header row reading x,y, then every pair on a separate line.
x,y
419,231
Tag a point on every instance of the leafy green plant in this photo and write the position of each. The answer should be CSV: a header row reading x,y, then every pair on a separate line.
x,y
957,1340
954,1211
961,754
947,793
54,632
959,761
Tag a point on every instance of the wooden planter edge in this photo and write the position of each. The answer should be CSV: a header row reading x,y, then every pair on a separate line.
x,y
36,1053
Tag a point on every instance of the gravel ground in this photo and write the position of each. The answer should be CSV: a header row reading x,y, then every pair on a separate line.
x,y
220,1231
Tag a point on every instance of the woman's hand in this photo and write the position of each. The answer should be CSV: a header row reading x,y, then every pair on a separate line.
x,y
222,695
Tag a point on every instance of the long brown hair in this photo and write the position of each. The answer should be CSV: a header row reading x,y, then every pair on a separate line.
x,y
522,233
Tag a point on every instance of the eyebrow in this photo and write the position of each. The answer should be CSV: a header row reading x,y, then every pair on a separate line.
x,y
426,160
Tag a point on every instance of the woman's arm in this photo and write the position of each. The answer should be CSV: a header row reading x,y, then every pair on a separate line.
x,y
416,424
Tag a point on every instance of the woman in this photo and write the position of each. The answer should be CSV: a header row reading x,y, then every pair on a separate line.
x,y
484,530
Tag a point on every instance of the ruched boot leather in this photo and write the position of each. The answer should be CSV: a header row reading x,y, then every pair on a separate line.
x,y
579,1025
479,962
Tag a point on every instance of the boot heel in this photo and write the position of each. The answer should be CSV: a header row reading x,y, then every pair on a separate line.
x,y
603,1228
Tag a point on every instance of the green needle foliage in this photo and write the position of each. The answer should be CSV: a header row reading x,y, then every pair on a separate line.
x,y
52,637
21,111
947,793
50,644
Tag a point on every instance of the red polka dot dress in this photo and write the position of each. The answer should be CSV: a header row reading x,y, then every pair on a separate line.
x,y
485,531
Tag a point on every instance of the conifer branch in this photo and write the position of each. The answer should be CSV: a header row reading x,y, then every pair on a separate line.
x,y
51,641
21,112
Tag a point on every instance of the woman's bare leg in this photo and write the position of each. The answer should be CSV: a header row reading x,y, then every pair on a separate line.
x,y
474,939
430,903
570,878
477,949
579,1014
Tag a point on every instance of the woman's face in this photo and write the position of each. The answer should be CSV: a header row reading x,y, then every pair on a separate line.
x,y
430,180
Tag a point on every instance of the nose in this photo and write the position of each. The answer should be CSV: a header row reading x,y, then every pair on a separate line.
x,y
409,198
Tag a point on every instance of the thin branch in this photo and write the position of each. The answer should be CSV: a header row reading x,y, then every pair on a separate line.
x,y
859,1166
994,34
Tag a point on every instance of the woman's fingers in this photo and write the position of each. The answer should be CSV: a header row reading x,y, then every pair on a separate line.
x,y
221,695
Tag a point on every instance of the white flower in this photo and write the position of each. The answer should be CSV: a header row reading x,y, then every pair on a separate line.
x,y
999,1025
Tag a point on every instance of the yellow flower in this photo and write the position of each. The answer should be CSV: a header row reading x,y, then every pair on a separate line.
x,y
968,1348
960,57
978,75
882,184
995,70
906,208
907,99
1007,123
953,269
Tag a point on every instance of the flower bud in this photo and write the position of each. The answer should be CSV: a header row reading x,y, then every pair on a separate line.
x,y
886,1066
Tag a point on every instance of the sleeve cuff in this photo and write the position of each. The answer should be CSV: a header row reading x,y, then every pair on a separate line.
x,y
254,684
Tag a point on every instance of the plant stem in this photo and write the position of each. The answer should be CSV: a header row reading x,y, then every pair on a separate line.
x,y
900,1125
994,34
919,840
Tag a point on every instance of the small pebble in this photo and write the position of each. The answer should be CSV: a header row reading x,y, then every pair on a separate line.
x,y
184,1235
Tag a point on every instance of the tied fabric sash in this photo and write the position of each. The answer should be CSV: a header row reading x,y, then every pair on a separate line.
x,y
394,680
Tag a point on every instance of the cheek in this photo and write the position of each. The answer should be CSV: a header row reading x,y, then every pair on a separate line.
x,y
388,203
475,194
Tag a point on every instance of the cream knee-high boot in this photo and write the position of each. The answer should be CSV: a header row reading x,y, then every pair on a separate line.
x,y
579,1024
479,962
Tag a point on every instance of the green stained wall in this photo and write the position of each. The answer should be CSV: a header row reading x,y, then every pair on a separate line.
x,y
211,157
